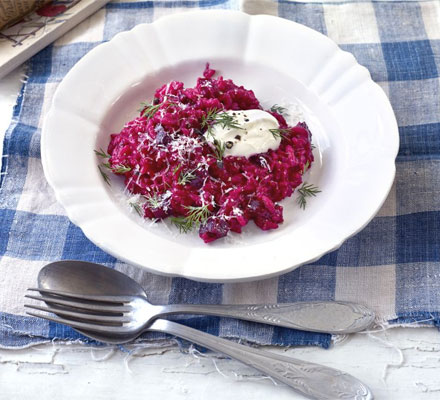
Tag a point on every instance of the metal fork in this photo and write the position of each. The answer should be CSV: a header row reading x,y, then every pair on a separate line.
x,y
116,319
137,313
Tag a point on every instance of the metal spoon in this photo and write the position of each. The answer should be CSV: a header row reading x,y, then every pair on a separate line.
x,y
312,380
90,278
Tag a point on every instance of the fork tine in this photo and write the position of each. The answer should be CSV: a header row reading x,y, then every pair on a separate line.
x,y
108,299
83,316
82,305
81,325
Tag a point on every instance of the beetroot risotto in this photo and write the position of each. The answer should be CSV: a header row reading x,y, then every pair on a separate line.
x,y
167,160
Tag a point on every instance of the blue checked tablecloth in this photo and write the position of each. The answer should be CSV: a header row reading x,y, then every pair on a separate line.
x,y
393,265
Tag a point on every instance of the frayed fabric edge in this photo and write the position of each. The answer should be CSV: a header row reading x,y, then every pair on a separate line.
x,y
380,325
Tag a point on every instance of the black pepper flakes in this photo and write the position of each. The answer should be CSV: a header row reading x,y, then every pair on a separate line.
x,y
246,120
229,145
238,137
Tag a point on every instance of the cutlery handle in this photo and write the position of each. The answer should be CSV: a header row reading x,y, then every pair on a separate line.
x,y
312,380
334,317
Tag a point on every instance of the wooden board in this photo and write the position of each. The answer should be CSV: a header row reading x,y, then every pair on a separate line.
x,y
35,31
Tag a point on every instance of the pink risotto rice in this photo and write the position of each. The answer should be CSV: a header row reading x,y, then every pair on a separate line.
x,y
164,157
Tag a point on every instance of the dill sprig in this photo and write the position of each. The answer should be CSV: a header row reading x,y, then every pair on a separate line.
x,y
104,175
280,133
117,169
186,177
306,167
101,153
120,169
278,109
196,217
219,149
214,116
306,190
148,110
154,200
137,207
208,118
177,168
226,121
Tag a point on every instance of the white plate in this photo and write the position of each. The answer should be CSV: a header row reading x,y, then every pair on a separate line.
x,y
352,122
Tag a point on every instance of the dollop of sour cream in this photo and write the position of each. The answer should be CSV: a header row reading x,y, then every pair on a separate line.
x,y
251,136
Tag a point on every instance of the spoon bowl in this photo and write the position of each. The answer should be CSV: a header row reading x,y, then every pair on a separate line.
x,y
89,278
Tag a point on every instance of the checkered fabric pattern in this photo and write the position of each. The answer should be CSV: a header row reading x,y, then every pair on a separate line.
x,y
393,265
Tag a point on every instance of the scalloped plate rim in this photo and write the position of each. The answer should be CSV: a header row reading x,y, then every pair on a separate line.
x,y
90,232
